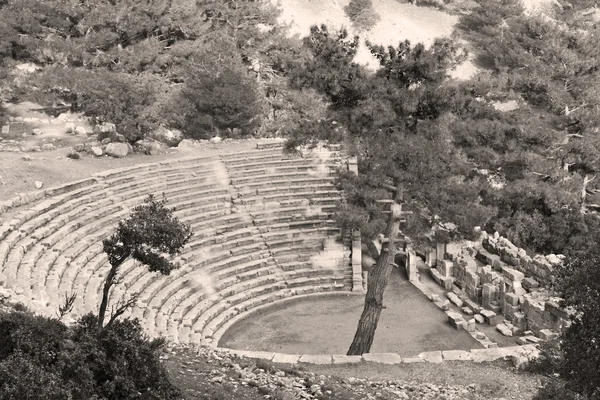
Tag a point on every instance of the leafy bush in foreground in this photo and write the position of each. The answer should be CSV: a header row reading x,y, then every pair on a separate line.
x,y
41,358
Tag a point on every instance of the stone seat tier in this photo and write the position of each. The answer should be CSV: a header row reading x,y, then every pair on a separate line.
x,y
263,155
253,156
169,306
234,235
297,162
223,311
246,308
312,197
179,277
93,216
288,189
303,224
192,306
240,181
282,170
288,182
213,260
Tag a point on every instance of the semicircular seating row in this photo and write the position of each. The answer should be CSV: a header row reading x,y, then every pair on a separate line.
x,y
262,232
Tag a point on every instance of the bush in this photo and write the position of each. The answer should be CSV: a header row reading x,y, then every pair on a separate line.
x,y
41,358
215,100
362,14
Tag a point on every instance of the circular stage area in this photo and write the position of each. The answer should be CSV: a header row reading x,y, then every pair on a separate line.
x,y
325,324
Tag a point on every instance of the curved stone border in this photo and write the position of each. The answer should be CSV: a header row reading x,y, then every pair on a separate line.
x,y
521,353
219,333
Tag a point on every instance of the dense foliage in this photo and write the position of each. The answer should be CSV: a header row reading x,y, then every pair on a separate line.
x,y
464,155
43,359
182,64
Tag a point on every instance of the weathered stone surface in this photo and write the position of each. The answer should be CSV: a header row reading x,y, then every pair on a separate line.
x,y
503,329
117,150
512,274
547,334
410,360
471,325
456,355
455,319
80,130
454,299
431,356
382,358
285,358
316,359
479,318
344,359
170,137
97,151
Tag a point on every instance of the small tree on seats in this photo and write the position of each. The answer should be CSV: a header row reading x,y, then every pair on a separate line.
x,y
151,235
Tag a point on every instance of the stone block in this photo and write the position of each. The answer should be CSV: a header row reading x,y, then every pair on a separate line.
x,y
454,299
547,334
530,283
382,358
491,318
510,311
285,358
316,359
455,319
503,329
522,340
472,305
467,311
532,339
456,355
410,360
445,268
447,283
431,356
479,318
511,299
471,325
556,310
512,274
488,294
344,359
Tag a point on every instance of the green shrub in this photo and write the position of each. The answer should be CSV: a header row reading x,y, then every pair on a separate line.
x,y
362,14
41,358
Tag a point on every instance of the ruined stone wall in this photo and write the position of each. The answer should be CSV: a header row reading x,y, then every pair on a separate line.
x,y
506,287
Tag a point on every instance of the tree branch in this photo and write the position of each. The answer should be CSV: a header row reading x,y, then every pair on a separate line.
x,y
122,307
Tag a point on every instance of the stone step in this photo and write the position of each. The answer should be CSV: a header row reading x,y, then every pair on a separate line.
x,y
309,197
273,165
262,178
325,181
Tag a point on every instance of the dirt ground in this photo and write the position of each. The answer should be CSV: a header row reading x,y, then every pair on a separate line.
x,y
409,325
18,175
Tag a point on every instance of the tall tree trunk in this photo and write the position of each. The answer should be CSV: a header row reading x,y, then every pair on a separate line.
x,y
110,280
378,280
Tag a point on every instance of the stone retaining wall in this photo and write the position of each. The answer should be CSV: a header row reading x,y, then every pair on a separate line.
x,y
518,354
